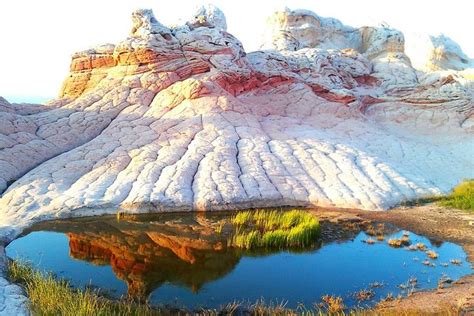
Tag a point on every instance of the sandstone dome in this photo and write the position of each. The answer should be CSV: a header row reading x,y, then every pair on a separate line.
x,y
182,118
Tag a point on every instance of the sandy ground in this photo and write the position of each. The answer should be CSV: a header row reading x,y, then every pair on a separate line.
x,y
433,222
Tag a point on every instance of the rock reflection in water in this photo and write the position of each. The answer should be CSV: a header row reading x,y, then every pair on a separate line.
x,y
148,254
188,260
147,251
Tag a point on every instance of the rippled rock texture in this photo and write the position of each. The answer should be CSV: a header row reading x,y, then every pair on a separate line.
x,y
183,118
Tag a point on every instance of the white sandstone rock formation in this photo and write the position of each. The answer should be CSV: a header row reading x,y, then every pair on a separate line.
x,y
210,16
437,53
183,119
384,47
293,30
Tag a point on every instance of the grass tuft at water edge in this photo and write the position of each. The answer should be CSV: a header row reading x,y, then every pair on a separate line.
x,y
274,229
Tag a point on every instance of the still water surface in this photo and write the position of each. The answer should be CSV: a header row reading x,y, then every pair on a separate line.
x,y
180,260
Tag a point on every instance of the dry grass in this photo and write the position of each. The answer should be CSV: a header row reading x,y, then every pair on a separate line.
x,y
332,304
364,295
50,296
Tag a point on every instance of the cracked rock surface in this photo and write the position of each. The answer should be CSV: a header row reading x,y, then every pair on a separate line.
x,y
183,118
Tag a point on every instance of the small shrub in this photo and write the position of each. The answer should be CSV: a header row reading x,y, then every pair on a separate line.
x,y
462,197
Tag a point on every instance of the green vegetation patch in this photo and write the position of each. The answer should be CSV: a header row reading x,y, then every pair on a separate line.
x,y
274,229
50,296
462,197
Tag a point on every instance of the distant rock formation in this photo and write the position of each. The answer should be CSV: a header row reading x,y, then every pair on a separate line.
x,y
183,118
434,53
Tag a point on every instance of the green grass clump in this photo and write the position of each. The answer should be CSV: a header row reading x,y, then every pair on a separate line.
x,y
50,296
462,197
247,239
274,229
242,218
274,239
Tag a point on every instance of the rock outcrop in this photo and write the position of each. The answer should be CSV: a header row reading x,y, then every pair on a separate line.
x,y
183,118
438,53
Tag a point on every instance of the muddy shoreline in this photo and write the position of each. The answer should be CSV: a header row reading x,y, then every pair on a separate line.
x,y
434,222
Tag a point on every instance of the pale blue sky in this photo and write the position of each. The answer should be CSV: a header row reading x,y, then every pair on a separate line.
x,y
38,37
